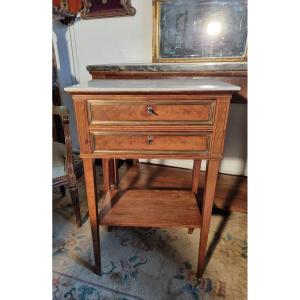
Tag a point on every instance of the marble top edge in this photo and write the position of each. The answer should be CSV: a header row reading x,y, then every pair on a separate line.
x,y
152,85
154,67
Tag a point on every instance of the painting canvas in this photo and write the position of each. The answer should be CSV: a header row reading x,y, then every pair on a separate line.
x,y
200,30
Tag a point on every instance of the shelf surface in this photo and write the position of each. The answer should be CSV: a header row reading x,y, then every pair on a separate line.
x,y
150,208
231,191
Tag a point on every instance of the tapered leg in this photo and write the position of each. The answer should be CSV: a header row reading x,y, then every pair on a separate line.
x,y
208,199
106,177
195,182
89,173
110,177
75,201
113,173
196,175
62,190
116,172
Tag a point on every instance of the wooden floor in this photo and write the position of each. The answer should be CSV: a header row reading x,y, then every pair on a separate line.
x,y
231,192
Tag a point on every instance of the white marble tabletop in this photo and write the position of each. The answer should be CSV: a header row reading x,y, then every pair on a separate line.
x,y
152,85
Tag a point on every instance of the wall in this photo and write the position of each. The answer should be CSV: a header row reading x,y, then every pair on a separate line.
x,y
129,40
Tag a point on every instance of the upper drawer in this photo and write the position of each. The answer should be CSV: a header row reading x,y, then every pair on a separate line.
x,y
151,112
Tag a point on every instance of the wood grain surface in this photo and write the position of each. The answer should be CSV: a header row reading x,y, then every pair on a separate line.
x,y
162,141
150,208
230,195
150,111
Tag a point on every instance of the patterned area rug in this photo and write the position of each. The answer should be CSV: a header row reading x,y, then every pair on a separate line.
x,y
146,263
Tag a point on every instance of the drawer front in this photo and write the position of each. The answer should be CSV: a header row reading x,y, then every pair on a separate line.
x,y
151,142
151,112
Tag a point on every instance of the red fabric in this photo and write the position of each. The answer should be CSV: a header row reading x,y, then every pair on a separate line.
x,y
73,6
56,3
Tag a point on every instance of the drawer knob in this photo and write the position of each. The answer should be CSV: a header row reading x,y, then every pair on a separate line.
x,y
151,111
150,140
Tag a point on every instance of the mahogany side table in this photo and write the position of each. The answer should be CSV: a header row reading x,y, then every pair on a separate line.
x,y
151,118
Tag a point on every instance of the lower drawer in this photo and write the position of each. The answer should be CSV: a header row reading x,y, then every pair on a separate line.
x,y
151,142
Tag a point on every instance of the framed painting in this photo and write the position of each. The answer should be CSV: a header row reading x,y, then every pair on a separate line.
x,y
199,30
107,8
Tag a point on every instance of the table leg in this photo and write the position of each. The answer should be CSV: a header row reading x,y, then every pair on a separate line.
x,y
113,173
195,182
90,178
208,199
116,172
196,175
106,177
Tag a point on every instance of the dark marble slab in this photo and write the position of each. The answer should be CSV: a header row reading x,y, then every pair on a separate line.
x,y
165,67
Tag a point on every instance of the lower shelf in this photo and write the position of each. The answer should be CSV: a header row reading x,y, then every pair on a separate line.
x,y
150,208
231,191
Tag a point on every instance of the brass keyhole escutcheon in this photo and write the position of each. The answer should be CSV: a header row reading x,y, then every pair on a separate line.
x,y
151,111
150,140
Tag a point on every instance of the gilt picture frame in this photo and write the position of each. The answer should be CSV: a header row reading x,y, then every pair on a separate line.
x,y
107,9
199,31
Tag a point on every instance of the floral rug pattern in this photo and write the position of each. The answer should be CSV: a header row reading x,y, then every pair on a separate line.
x,y
145,263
